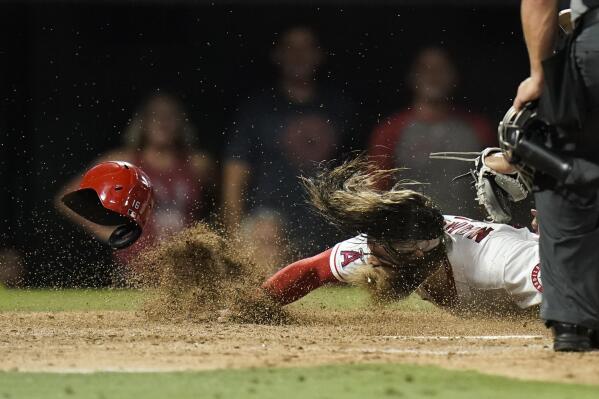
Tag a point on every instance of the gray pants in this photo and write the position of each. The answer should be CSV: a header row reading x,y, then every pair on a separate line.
x,y
569,217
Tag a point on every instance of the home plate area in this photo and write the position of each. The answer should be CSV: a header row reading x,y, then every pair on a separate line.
x,y
127,341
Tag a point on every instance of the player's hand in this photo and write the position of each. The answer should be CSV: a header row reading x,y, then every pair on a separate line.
x,y
534,223
529,90
499,163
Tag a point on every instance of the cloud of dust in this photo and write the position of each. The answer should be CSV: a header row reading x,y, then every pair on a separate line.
x,y
199,273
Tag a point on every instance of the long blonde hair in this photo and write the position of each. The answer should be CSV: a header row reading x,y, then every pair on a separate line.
x,y
349,198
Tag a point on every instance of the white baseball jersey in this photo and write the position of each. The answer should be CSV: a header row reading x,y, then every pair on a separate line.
x,y
483,256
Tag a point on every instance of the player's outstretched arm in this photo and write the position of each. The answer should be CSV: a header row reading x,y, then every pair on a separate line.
x,y
499,164
300,278
284,287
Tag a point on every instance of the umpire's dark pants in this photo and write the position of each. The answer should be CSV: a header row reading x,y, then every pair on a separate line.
x,y
569,218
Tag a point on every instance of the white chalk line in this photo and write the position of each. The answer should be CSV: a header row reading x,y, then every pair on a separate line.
x,y
366,350
421,351
465,337
412,351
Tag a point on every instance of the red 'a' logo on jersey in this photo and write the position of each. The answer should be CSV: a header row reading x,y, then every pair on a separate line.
x,y
350,256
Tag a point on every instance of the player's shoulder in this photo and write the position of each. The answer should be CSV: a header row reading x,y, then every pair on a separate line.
x,y
359,241
348,255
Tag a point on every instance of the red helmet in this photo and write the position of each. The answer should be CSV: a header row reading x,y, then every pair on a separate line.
x,y
114,193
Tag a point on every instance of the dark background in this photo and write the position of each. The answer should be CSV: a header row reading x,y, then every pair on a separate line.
x,y
73,73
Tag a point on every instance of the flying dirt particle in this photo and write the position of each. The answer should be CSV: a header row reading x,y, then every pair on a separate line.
x,y
198,273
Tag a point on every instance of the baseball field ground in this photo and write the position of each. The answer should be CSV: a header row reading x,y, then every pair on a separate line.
x,y
102,344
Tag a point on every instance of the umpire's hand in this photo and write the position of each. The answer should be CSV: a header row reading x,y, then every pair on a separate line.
x,y
529,90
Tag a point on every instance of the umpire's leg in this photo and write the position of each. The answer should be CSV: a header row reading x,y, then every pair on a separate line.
x,y
569,219
569,250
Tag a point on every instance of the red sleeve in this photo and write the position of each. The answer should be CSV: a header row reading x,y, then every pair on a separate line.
x,y
298,279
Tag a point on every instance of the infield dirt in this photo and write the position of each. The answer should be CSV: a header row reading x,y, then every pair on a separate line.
x,y
197,273
128,341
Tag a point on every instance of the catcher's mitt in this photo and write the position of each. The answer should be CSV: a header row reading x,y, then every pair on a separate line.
x,y
494,191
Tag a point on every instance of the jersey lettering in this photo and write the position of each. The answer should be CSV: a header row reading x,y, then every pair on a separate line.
x,y
468,230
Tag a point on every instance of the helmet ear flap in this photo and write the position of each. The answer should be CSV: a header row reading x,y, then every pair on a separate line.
x,y
124,235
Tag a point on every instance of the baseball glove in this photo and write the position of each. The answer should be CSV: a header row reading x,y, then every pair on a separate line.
x,y
494,191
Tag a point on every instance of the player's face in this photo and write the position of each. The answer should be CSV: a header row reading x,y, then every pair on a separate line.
x,y
382,256
402,253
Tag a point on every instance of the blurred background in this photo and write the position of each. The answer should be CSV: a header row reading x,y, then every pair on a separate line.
x,y
224,104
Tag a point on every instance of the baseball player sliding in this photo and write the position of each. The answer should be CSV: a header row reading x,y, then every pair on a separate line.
x,y
403,244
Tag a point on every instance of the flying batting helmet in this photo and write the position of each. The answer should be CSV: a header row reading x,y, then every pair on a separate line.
x,y
114,193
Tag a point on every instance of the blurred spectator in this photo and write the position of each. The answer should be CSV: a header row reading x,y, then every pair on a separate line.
x,y
433,123
161,141
259,231
280,133
12,270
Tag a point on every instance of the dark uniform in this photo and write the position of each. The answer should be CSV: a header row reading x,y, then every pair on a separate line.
x,y
569,217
